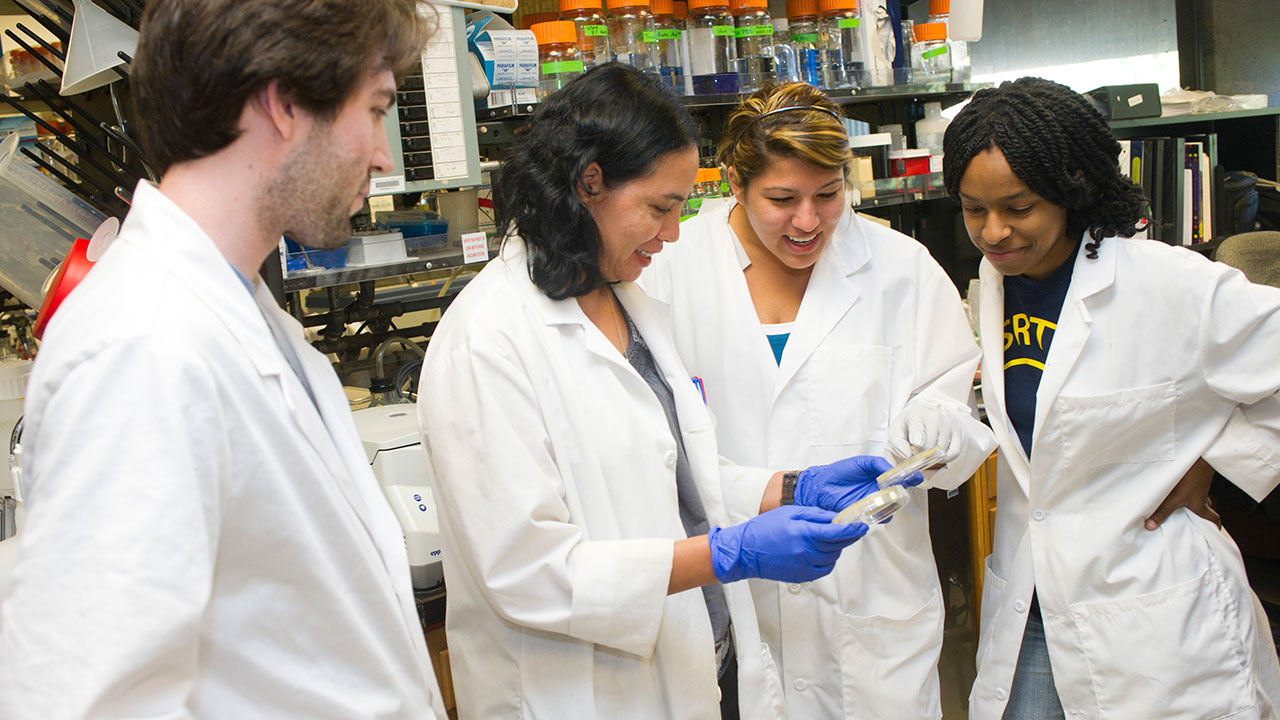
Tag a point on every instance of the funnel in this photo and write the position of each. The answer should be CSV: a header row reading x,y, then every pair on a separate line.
x,y
96,38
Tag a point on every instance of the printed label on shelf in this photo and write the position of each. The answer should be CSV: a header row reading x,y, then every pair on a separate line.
x,y
475,247
443,95
381,203
385,185
438,65
445,171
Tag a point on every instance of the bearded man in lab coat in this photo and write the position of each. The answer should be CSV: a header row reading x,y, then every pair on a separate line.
x,y
204,537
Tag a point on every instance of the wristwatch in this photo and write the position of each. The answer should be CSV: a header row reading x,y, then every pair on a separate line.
x,y
789,487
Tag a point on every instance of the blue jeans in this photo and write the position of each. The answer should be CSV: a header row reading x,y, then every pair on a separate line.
x,y
1033,695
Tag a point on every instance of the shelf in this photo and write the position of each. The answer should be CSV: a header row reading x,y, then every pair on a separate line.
x,y
1191,118
444,258
852,96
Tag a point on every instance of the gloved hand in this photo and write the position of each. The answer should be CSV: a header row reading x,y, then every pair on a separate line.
x,y
921,426
836,486
788,544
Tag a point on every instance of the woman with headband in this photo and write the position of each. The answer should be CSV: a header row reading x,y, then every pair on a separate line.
x,y
1111,366
593,538
818,334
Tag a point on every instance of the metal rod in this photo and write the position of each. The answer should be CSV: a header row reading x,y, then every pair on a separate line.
x,y
60,12
34,52
124,56
119,11
87,132
129,143
37,120
50,152
57,30
100,205
376,312
43,43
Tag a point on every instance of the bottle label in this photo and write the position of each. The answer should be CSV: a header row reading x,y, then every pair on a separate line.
x,y
661,34
844,23
805,38
723,30
595,30
927,54
563,66
753,31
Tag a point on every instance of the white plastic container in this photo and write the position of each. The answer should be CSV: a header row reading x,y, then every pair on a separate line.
x,y
929,133
40,219
376,249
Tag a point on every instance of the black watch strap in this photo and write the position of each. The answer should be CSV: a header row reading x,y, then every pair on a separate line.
x,y
789,487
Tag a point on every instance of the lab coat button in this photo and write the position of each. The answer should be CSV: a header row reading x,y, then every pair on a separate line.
x,y
801,685
1019,606
669,459
1037,515
794,588
1000,694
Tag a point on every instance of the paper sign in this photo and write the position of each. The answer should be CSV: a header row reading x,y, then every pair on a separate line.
x,y
388,184
475,247
1135,100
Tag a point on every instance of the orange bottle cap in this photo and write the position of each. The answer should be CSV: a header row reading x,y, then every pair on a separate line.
x,y
707,175
754,4
802,8
662,7
826,6
939,7
682,9
701,4
566,5
528,21
556,31
925,32
617,4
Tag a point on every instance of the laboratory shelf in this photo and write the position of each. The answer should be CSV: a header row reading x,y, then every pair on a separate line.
x,y
1191,118
851,96
443,258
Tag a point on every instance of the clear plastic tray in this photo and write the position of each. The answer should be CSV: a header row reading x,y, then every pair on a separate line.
x,y
875,508
903,470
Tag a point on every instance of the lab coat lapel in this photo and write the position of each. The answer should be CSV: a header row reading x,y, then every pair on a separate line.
x,y
832,291
652,320
991,336
1075,322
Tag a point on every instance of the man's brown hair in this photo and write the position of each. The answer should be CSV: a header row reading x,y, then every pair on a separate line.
x,y
199,61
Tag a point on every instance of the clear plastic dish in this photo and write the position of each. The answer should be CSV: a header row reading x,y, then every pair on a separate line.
x,y
875,508
903,470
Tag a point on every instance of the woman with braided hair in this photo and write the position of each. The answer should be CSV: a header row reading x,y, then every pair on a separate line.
x,y
1111,365
819,334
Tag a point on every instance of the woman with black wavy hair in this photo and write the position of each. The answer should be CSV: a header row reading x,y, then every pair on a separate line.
x,y
1111,365
581,496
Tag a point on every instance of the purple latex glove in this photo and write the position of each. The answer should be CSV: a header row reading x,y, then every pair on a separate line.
x,y
788,544
844,482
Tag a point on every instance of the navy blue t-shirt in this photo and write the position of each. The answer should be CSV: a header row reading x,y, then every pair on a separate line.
x,y
1031,310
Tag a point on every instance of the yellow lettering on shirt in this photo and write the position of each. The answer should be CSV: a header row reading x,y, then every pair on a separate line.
x,y
1024,361
1008,337
1040,326
1021,325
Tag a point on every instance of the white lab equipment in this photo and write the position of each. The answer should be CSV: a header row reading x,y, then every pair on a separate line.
x,y
902,471
390,437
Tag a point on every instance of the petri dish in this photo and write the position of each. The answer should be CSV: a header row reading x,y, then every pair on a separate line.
x,y
903,470
875,508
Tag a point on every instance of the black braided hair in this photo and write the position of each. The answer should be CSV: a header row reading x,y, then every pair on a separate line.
x,y
1058,145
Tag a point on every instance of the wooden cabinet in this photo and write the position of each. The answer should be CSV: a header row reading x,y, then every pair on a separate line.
x,y
982,523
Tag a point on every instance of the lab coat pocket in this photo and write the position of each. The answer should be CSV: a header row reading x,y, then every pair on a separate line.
x,y
1172,649
993,587
1130,426
847,395
904,652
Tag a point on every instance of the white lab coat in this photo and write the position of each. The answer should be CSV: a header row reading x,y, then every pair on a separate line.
x,y
880,326
555,477
1153,349
199,540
